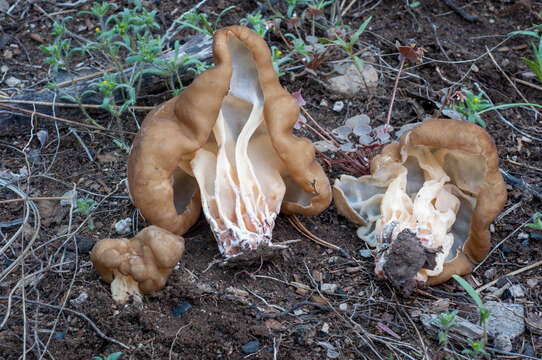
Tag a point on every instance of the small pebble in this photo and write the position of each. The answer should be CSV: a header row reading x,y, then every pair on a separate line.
x,y
12,81
532,282
251,347
4,68
343,307
60,335
324,103
325,328
525,242
329,288
123,226
338,106
523,236
502,342
517,291
78,301
505,249
490,274
84,244
365,253
179,310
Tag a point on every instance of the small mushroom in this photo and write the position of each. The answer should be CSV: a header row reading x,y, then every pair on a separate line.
x,y
225,144
440,185
139,265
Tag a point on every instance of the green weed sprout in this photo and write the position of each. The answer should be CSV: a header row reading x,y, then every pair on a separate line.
x,y
537,222
348,46
447,322
471,107
257,22
200,23
86,206
113,356
536,65
278,60
477,348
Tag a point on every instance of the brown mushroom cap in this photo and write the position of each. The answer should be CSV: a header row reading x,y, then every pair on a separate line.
x,y
146,260
161,164
462,152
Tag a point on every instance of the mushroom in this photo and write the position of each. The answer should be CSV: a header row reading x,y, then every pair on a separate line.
x,y
139,265
225,144
428,202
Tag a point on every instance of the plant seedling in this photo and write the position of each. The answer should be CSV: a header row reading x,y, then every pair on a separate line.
x,y
446,321
537,222
484,313
86,206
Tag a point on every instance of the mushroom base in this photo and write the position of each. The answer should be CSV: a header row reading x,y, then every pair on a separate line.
x,y
123,287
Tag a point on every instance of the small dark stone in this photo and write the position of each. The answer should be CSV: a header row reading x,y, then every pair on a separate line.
x,y
506,250
340,292
60,335
506,294
251,347
179,310
525,242
84,245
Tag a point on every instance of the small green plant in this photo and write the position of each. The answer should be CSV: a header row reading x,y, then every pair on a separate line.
x,y
471,106
536,65
257,22
537,222
477,347
113,356
446,321
126,39
200,23
86,206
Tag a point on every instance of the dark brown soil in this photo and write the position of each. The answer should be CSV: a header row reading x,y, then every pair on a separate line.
x,y
230,308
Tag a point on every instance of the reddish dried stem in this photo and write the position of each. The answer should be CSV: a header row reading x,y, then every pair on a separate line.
x,y
394,91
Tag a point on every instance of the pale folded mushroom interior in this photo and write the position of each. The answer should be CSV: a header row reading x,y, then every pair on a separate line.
x,y
431,192
238,171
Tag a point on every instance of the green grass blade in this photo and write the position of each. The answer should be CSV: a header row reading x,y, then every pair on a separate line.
x,y
472,293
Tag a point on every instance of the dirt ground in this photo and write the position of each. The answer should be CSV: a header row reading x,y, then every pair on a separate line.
x,y
208,312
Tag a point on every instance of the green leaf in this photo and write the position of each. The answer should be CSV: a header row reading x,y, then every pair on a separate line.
x,y
359,63
357,34
469,289
114,356
525,32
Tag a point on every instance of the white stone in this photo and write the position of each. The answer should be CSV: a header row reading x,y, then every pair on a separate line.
x,y
338,106
517,291
503,319
4,68
343,307
329,288
325,328
123,226
12,81
79,300
523,236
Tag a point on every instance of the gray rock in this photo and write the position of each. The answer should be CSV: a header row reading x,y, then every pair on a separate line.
x,y
4,68
503,319
502,342
4,5
464,328
351,82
